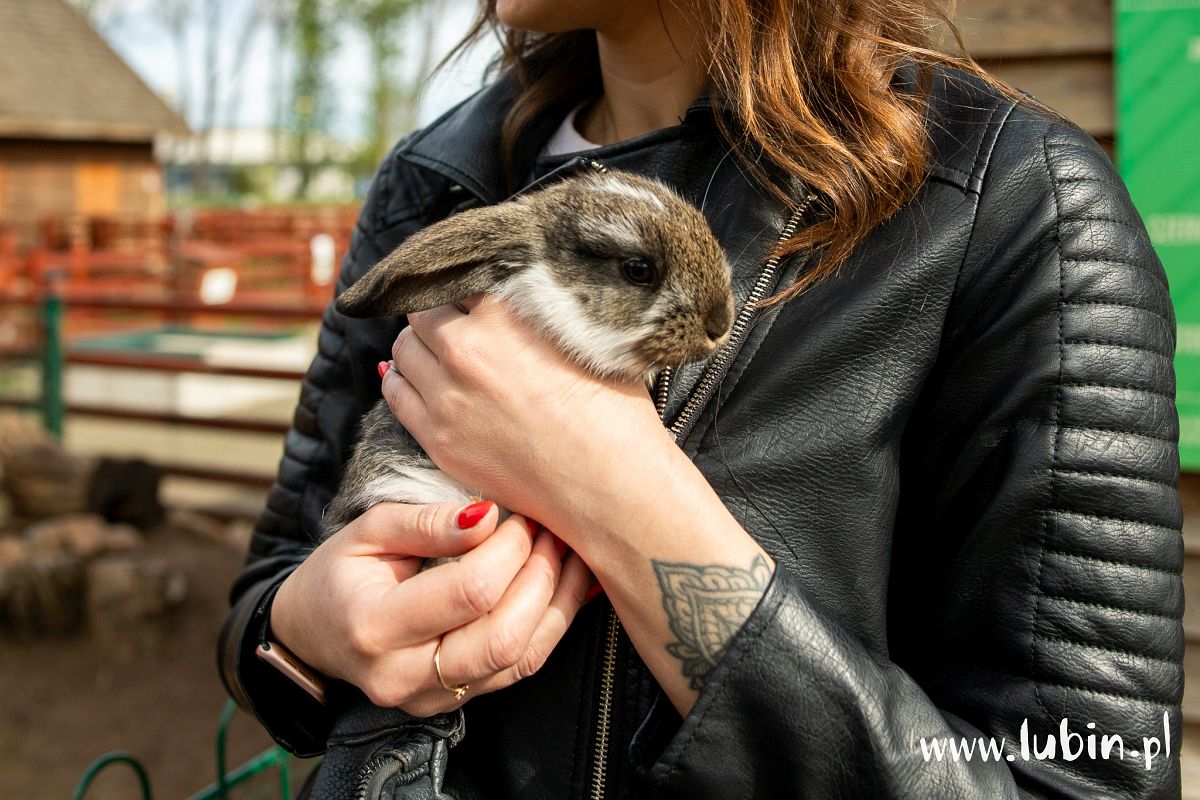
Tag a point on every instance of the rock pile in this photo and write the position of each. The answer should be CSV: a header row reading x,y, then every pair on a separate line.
x,y
78,571
62,568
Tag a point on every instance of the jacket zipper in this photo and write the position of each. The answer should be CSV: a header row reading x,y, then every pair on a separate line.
x,y
717,367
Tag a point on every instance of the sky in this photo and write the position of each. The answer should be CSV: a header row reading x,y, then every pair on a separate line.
x,y
133,30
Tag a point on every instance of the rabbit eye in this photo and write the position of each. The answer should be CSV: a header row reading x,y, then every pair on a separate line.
x,y
638,271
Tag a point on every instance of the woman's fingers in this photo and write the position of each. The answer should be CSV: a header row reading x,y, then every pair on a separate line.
x,y
498,640
403,399
493,643
431,326
451,595
569,596
574,581
412,357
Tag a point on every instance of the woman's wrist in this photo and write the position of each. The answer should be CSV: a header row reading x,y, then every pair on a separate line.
x,y
603,509
277,628
275,621
660,546
595,486
273,650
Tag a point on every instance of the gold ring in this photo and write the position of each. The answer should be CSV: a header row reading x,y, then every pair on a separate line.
x,y
459,691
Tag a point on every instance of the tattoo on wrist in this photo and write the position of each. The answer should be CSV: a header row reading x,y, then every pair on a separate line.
x,y
706,604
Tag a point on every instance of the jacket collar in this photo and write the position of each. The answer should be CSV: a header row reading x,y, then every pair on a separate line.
x,y
464,143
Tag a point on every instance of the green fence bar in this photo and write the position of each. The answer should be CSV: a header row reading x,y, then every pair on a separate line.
x,y
275,758
100,764
1158,136
53,408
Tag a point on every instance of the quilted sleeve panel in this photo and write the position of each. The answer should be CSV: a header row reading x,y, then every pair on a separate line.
x,y
1110,596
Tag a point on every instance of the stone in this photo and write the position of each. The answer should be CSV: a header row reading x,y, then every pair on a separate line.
x,y
85,535
13,550
129,605
42,594
195,523
39,476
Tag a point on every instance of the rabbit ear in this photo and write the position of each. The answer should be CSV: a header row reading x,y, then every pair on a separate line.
x,y
466,254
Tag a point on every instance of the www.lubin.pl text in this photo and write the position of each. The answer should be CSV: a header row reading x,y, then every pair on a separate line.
x,y
1065,745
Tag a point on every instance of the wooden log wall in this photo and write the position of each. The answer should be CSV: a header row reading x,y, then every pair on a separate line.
x,y
57,179
1060,51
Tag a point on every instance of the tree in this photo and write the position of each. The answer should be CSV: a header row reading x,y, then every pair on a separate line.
x,y
222,31
101,13
279,16
311,99
174,16
393,96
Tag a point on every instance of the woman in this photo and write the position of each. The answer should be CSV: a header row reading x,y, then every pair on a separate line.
x,y
931,503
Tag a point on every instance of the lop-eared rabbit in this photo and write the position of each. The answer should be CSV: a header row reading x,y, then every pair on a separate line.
x,y
621,274
618,271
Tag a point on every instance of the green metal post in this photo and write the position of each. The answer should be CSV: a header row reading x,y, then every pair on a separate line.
x,y
222,733
53,409
285,782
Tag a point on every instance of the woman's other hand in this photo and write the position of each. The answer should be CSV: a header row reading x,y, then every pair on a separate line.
x,y
502,410
361,610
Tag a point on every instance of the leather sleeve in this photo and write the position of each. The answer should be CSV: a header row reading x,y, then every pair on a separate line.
x,y
339,386
1039,479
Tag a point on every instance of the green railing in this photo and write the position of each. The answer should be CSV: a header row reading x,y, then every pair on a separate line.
x,y
273,758
107,760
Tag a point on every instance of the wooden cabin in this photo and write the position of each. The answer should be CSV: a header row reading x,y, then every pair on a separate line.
x,y
77,125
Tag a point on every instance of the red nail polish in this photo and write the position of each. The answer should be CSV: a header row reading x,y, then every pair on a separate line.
x,y
383,367
592,592
561,547
469,517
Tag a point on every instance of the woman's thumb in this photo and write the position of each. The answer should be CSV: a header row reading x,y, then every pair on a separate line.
x,y
430,530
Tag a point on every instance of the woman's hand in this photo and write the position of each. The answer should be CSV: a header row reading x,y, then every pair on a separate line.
x,y
497,406
360,609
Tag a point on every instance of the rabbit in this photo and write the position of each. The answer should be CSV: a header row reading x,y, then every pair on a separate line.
x,y
620,273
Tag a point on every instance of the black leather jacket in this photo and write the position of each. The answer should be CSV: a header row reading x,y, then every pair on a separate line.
x,y
961,451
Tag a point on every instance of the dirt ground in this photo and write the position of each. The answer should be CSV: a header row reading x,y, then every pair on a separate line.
x,y
62,703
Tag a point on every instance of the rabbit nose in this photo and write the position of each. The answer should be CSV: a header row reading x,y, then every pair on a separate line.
x,y
716,322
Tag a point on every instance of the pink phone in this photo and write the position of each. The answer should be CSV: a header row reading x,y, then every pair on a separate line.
x,y
296,670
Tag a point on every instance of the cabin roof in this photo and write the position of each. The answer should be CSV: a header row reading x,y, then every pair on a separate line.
x,y
59,79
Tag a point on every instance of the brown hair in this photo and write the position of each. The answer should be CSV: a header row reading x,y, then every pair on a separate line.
x,y
810,87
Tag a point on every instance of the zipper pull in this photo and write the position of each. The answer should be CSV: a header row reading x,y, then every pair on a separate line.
x,y
575,166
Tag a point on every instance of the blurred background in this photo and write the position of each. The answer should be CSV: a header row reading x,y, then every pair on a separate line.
x,y
178,180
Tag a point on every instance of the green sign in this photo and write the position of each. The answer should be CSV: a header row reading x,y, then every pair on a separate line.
x,y
1158,148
